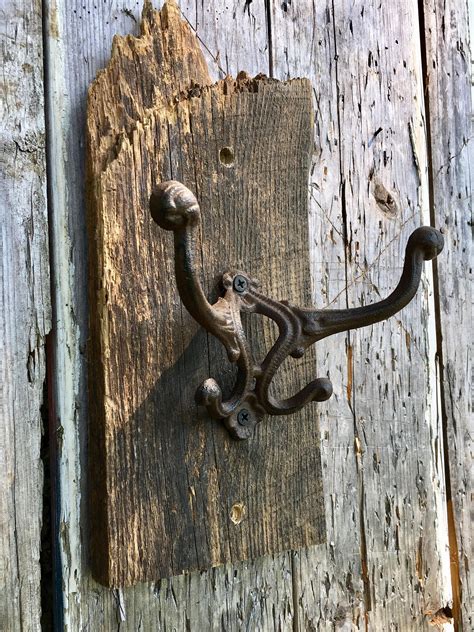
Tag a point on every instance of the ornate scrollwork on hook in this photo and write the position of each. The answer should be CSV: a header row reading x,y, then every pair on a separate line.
x,y
174,207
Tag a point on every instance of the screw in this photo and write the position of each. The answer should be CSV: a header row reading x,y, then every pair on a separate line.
x,y
244,417
240,283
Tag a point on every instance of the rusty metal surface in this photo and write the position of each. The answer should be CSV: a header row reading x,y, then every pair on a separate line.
x,y
175,208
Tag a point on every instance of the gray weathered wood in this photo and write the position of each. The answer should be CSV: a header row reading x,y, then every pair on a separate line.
x,y
451,171
327,579
363,106
405,566
24,313
233,597
320,588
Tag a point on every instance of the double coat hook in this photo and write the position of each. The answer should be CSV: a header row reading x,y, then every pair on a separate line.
x,y
175,208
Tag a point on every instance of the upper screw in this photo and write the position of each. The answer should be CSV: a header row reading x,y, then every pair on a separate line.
x,y
240,283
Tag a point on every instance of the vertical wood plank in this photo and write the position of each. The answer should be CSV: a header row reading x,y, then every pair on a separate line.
x,y
340,586
374,58
397,435
24,313
142,391
327,579
449,109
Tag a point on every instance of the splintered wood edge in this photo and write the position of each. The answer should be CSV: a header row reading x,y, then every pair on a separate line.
x,y
107,120
115,103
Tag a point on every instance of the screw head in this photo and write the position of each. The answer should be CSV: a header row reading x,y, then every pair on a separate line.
x,y
244,417
240,283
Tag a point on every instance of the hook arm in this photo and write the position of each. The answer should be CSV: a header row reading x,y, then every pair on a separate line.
x,y
424,244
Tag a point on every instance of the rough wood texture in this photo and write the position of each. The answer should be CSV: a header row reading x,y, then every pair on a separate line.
x,y
451,172
24,313
321,587
391,366
327,579
355,159
170,481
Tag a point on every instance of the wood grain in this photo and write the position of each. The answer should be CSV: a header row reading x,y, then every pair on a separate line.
x,y
358,165
400,483
251,594
169,481
320,587
25,317
451,173
328,579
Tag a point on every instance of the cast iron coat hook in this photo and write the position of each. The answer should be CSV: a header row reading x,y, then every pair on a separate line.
x,y
174,207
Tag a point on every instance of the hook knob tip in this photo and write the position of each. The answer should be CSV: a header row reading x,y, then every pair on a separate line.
x,y
430,240
173,206
323,390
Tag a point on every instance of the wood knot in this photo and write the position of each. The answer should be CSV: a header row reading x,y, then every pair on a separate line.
x,y
385,200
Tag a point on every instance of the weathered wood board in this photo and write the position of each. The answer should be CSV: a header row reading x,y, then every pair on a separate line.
x,y
25,317
355,159
321,587
451,167
391,366
328,579
177,492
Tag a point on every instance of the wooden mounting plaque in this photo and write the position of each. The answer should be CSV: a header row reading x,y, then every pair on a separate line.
x,y
170,490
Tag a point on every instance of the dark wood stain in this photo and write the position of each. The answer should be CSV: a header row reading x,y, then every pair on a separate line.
x,y
166,479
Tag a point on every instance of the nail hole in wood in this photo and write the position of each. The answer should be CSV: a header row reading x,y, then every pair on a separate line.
x,y
226,156
237,513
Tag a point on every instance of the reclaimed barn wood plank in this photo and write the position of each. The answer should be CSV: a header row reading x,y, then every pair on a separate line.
x,y
397,435
328,579
168,479
25,318
449,108
244,596
356,141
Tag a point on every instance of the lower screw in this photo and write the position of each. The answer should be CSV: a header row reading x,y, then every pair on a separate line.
x,y
244,417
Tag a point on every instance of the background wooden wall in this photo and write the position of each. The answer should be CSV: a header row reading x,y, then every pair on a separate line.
x,y
391,151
